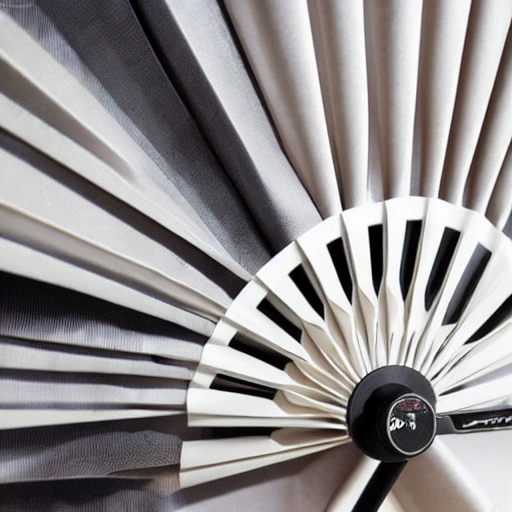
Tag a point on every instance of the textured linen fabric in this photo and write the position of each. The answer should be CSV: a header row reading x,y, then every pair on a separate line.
x,y
216,85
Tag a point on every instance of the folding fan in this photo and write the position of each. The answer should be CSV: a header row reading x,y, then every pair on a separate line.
x,y
254,255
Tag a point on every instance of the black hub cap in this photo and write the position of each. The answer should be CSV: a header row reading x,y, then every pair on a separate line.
x,y
391,414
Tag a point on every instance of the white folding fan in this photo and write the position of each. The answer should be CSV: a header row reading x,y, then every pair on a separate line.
x,y
251,253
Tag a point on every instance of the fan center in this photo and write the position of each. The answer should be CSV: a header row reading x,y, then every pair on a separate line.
x,y
391,414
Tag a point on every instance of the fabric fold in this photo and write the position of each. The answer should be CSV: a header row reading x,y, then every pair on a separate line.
x,y
278,42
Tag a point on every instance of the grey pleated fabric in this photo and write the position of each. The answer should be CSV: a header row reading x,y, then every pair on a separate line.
x,y
128,225
218,88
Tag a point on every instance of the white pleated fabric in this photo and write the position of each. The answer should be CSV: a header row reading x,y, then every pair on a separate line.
x,y
154,156
409,93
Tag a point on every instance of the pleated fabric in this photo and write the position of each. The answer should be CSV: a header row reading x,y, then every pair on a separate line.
x,y
154,156
407,93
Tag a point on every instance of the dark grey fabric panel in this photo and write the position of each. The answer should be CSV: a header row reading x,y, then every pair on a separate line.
x,y
281,206
34,310
85,495
89,449
108,47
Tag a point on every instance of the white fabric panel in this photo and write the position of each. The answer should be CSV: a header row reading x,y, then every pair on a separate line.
x,y
19,226
287,487
240,454
33,417
58,203
338,32
396,32
491,393
500,203
494,139
437,481
277,39
443,35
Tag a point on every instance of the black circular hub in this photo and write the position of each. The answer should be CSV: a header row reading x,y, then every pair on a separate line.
x,y
391,414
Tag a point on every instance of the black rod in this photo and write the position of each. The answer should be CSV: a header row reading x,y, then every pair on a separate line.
x,y
379,486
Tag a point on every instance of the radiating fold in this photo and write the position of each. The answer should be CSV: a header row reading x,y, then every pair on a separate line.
x,y
500,203
396,34
339,36
495,138
57,227
444,26
36,311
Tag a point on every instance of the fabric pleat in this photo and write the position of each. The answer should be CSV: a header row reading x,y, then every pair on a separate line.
x,y
500,203
495,137
443,36
36,311
279,45
179,173
484,45
395,30
339,37
69,228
